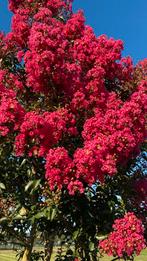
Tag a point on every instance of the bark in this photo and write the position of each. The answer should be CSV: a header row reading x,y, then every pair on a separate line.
x,y
29,246
48,247
27,254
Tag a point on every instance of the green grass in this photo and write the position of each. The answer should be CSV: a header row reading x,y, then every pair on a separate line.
x,y
8,255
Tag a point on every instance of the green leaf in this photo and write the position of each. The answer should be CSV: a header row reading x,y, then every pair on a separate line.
x,y
2,186
3,219
33,185
101,236
39,215
23,211
53,213
75,234
17,217
23,162
28,185
91,246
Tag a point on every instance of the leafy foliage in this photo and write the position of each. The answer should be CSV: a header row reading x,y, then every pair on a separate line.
x,y
72,122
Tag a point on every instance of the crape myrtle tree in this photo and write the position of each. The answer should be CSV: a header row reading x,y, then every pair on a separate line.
x,y
72,122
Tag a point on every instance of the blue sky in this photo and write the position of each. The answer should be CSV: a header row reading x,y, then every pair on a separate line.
x,y
121,19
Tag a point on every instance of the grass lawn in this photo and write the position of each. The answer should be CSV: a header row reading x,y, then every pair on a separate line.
x,y
8,255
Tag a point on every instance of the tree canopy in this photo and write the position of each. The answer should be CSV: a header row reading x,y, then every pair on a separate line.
x,y
72,125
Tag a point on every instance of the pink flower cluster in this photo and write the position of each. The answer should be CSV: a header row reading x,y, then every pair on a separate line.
x,y
39,132
11,112
67,79
127,238
10,81
65,58
20,29
49,61
112,136
59,171
54,5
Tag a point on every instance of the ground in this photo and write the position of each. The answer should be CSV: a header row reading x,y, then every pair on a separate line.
x,y
8,255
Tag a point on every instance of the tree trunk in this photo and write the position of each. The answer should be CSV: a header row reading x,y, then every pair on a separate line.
x,y
29,246
48,247
27,254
